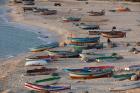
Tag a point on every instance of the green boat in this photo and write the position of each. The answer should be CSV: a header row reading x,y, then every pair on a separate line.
x,y
123,76
48,81
64,54
108,58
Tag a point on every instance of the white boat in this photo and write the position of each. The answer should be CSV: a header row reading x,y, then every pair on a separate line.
x,y
36,63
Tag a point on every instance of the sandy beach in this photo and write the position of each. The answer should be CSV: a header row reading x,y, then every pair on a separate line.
x,y
12,72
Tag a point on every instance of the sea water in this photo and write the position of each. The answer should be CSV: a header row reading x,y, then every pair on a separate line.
x,y
16,38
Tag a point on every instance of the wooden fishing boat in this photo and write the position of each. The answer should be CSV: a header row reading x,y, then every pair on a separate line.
x,y
38,57
71,19
100,59
133,68
99,31
48,81
36,87
92,13
48,12
89,27
90,75
123,76
82,40
114,34
75,70
121,9
28,2
99,67
41,71
37,62
64,54
44,47
95,56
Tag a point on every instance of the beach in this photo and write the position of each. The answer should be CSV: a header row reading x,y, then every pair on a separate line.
x,y
12,72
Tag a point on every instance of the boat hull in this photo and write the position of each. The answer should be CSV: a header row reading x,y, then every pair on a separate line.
x,y
89,40
117,34
75,76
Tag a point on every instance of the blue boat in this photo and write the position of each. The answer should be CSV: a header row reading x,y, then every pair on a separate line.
x,y
44,47
87,40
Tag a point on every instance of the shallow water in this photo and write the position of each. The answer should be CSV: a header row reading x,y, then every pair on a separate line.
x,y
16,38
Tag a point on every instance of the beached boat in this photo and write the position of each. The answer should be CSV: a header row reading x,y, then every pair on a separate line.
x,y
48,81
89,72
41,71
48,12
123,76
99,67
71,19
133,68
43,56
89,27
99,31
64,54
37,62
93,55
92,13
75,70
84,44
44,47
36,87
93,74
121,9
100,59
114,34
88,39
28,2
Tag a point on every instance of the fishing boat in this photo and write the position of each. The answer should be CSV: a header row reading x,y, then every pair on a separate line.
x,y
44,47
37,62
121,9
99,67
100,59
64,54
94,56
123,76
132,68
48,12
38,57
90,75
36,87
41,71
48,81
71,19
87,40
89,27
99,31
75,70
114,34
92,13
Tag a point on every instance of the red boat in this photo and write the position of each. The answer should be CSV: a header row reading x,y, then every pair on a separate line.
x,y
114,34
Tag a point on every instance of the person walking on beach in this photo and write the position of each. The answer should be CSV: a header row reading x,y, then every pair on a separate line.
x,y
108,41
114,28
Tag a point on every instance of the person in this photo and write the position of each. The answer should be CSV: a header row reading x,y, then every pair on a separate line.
x,y
113,28
108,41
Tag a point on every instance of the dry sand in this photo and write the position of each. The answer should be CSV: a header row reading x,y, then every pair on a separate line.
x,y
12,71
